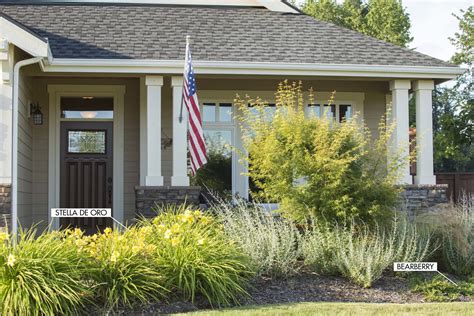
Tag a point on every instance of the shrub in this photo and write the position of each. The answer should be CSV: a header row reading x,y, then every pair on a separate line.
x,y
370,253
123,272
271,242
439,289
320,246
315,167
455,226
195,256
40,276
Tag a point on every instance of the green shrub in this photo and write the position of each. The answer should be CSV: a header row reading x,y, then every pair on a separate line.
x,y
40,276
370,253
124,273
271,242
195,256
455,227
320,245
315,167
439,289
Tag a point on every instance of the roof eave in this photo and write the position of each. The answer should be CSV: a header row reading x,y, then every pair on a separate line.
x,y
250,68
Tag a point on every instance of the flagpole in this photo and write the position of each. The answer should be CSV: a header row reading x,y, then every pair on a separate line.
x,y
188,40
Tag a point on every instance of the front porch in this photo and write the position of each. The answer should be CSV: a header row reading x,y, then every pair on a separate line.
x,y
150,145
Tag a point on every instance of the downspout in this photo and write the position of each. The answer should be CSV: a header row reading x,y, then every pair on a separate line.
x,y
16,84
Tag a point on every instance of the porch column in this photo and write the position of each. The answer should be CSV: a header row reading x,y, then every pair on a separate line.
x,y
180,130
400,138
424,132
153,131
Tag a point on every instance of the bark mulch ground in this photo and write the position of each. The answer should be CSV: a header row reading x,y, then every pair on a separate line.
x,y
304,287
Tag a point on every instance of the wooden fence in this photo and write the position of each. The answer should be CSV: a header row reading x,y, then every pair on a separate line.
x,y
458,183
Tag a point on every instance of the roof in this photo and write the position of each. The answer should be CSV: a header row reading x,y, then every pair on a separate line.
x,y
219,33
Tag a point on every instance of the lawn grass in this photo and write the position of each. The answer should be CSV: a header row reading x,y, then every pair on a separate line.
x,y
348,309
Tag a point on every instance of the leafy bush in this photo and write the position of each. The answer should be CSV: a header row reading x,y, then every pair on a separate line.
x,y
439,289
369,253
455,225
315,167
320,246
195,256
40,276
123,271
271,242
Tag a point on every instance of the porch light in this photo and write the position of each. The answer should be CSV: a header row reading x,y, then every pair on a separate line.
x,y
36,114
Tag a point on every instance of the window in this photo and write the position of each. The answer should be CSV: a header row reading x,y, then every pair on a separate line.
x,y
345,112
217,112
314,110
86,142
87,108
340,111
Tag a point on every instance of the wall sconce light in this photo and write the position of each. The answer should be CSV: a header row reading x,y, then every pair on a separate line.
x,y
36,114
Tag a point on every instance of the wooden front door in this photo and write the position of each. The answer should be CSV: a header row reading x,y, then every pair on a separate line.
x,y
86,171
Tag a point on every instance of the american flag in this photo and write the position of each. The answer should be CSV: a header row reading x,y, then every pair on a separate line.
x,y
197,145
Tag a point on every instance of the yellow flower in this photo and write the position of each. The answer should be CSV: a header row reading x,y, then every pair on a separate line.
x,y
108,230
11,260
197,213
145,230
78,233
114,256
3,236
201,241
175,241
150,248
175,228
168,233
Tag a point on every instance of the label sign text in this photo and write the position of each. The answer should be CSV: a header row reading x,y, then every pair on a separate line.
x,y
81,212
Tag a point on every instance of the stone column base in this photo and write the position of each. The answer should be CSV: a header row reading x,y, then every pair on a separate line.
x,y
5,206
421,197
148,198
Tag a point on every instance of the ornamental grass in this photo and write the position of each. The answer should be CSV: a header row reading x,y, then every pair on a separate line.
x,y
196,257
39,275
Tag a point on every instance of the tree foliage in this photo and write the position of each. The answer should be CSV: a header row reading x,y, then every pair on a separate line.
x,y
383,19
316,167
453,107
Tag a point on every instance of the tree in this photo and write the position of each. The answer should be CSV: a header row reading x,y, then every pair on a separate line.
x,y
383,19
453,108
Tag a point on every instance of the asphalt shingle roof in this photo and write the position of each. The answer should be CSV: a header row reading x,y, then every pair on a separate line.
x,y
241,34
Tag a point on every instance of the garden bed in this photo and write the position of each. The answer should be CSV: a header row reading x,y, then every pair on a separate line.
x,y
304,287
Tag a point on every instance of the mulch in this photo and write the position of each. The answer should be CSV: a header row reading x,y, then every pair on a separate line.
x,y
303,287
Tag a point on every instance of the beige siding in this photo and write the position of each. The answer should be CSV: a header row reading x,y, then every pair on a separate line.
x,y
25,152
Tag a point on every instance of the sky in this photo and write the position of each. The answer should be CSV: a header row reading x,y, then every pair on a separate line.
x,y
432,24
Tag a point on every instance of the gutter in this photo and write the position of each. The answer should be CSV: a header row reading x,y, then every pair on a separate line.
x,y
16,84
135,66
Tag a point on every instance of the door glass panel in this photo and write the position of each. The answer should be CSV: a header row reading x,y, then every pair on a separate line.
x,y
82,142
216,175
87,107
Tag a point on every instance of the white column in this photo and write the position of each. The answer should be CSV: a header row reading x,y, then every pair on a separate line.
x,y
400,138
153,129
424,132
180,130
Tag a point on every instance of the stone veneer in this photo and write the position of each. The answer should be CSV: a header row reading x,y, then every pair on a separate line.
x,y
147,197
5,205
421,197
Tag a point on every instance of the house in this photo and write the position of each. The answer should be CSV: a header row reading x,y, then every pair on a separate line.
x,y
91,92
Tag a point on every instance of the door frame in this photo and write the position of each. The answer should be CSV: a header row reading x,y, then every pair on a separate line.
x,y
117,92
